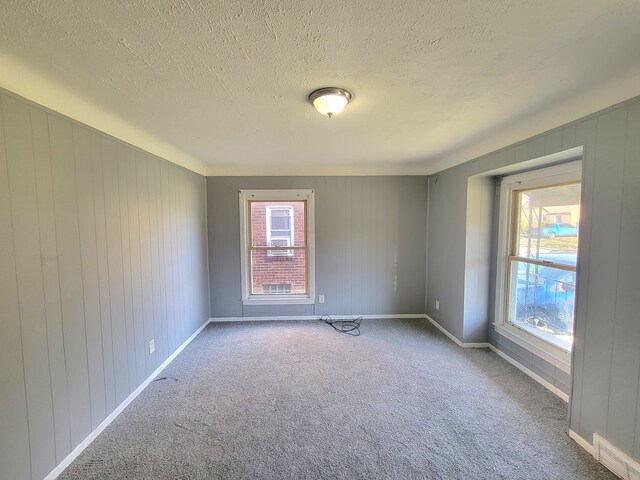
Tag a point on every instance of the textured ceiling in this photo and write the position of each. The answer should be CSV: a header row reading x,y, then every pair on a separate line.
x,y
221,86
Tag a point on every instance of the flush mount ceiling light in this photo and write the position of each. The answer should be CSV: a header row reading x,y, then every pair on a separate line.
x,y
329,100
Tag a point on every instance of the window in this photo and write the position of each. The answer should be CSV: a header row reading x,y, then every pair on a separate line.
x,y
277,248
538,245
280,229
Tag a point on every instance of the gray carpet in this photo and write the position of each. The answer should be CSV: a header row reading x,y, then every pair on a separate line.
x,y
296,400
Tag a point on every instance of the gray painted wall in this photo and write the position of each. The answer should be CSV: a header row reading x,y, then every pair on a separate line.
x,y
102,248
606,366
370,244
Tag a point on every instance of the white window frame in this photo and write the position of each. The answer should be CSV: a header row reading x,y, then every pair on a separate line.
x,y
247,196
289,239
558,174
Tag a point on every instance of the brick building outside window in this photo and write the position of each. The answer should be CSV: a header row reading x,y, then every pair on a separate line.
x,y
278,224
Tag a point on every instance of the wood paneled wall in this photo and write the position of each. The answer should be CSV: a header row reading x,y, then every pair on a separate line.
x,y
102,248
605,383
370,235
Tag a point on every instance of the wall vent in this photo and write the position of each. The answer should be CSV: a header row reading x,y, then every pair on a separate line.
x,y
614,459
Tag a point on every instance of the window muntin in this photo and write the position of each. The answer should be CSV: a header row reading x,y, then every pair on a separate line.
x,y
541,266
277,246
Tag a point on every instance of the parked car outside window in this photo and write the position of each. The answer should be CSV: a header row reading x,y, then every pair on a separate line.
x,y
554,230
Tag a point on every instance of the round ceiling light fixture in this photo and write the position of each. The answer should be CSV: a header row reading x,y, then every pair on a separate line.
x,y
329,100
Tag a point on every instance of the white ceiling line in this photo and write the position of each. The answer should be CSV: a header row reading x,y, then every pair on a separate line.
x,y
307,171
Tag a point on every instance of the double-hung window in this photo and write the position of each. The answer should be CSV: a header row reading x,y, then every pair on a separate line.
x,y
537,262
277,246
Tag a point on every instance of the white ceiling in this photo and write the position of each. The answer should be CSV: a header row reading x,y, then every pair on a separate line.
x,y
221,86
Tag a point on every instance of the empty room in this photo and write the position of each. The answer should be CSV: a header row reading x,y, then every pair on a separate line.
x,y
260,239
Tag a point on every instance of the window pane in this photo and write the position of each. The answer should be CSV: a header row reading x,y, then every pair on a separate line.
x,y
548,223
285,220
542,301
269,272
280,219
280,223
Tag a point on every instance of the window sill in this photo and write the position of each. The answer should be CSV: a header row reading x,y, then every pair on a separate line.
x,y
556,356
280,300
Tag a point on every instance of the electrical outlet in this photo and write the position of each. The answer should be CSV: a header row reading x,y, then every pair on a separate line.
x,y
152,346
320,298
437,305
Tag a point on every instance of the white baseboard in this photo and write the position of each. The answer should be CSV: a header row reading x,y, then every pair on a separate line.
x,y
581,442
536,377
506,357
92,436
316,317
453,338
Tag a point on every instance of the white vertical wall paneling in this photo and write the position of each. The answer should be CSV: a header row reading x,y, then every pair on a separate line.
x,y
145,262
14,437
136,263
605,244
116,273
356,245
26,232
53,307
370,220
168,260
184,250
379,249
156,267
585,135
625,362
90,286
192,242
569,138
70,266
75,206
342,240
186,247
132,356
161,259
328,266
553,142
103,273
176,267
367,244
388,246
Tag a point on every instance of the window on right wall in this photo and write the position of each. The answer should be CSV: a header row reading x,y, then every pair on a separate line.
x,y
538,258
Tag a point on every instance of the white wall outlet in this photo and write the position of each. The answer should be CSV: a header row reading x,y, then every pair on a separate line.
x,y
437,305
152,346
320,298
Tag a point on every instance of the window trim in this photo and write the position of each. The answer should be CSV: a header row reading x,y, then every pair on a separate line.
x,y
282,195
557,174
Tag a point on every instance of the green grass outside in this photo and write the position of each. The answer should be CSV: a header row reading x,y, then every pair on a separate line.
x,y
554,244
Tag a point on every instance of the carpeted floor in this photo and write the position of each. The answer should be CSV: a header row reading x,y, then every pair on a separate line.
x,y
296,400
